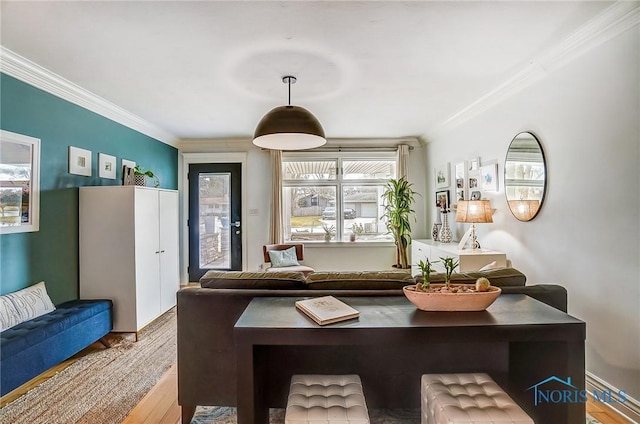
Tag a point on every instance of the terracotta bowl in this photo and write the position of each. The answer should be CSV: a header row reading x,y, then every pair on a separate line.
x,y
476,301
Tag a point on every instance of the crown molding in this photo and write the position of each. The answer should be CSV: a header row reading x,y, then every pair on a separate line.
x,y
616,19
33,74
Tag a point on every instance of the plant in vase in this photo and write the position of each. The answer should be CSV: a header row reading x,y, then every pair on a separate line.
x,y
446,297
140,174
398,198
356,231
329,231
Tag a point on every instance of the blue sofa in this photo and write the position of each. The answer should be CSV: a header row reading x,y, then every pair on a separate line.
x,y
32,347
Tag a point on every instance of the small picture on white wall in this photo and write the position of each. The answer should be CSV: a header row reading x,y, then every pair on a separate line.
x,y
489,177
460,173
79,161
441,175
107,166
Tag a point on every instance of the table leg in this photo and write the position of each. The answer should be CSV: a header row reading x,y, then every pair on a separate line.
x,y
539,366
252,407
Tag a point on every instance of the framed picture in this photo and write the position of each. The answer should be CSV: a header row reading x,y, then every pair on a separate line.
x,y
489,177
460,174
441,176
128,163
106,166
473,182
79,161
474,164
442,199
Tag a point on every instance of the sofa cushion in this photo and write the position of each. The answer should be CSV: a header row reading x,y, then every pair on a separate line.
x,y
345,280
252,280
23,305
499,277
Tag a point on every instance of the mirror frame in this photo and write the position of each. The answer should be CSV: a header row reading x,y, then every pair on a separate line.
x,y
544,184
33,223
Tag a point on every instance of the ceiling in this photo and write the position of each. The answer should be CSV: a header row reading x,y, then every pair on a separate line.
x,y
212,69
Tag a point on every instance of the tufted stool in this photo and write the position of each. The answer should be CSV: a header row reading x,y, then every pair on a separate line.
x,y
467,399
324,399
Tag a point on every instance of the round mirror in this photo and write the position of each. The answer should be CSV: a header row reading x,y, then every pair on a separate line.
x,y
525,176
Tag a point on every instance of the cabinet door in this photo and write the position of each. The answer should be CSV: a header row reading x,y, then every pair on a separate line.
x,y
147,240
169,242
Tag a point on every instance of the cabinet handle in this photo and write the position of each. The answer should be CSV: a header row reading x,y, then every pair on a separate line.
x,y
157,252
162,251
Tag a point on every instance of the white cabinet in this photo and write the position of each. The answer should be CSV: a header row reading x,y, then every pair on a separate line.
x,y
129,251
470,259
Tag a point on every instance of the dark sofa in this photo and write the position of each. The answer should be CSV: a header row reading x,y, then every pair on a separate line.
x,y
207,315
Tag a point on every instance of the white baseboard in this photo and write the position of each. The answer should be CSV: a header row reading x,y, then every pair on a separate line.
x,y
630,409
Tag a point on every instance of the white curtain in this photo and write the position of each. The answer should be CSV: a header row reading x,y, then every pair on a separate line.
x,y
275,227
403,161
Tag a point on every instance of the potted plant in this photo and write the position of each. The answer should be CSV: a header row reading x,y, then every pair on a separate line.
x,y
398,199
356,230
445,297
141,174
329,231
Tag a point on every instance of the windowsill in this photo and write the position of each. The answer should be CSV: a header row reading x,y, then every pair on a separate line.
x,y
348,244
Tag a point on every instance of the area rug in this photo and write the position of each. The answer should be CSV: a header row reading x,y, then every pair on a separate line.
x,y
103,386
226,415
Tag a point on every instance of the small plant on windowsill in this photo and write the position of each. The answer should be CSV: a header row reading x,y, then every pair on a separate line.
x,y
356,231
140,176
329,231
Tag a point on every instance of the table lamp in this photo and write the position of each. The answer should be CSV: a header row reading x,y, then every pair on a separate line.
x,y
472,211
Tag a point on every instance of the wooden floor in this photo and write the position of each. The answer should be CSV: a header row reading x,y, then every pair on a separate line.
x,y
160,405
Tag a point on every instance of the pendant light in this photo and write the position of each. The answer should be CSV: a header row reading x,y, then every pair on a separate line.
x,y
289,127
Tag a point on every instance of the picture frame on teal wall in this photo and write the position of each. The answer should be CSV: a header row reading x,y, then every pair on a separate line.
x,y
106,166
79,161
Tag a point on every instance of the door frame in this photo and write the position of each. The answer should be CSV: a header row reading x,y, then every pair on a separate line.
x,y
183,185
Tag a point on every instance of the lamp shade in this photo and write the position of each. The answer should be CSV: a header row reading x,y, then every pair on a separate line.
x,y
289,128
524,210
474,211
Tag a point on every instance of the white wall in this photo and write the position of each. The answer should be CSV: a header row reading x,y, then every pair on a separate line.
x,y
587,235
338,256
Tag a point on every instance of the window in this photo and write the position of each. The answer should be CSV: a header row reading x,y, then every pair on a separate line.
x,y
330,198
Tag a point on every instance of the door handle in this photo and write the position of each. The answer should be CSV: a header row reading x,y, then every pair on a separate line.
x,y
237,224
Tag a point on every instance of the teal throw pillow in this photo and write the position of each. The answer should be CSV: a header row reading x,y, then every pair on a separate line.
x,y
283,258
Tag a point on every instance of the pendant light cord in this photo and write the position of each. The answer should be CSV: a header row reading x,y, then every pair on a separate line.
x,y
289,80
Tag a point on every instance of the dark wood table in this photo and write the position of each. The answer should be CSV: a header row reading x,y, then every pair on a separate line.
x,y
537,341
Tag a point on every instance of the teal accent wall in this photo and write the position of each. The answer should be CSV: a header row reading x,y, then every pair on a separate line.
x,y
51,254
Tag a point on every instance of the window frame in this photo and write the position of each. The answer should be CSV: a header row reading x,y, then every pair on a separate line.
x,y
339,182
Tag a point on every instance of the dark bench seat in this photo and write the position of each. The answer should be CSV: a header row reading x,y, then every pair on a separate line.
x,y
32,347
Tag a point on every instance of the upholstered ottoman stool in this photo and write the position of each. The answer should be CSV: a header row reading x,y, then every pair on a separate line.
x,y
323,399
467,398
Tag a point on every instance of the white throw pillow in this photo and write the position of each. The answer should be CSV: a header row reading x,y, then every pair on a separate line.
x,y
284,258
490,265
8,314
24,305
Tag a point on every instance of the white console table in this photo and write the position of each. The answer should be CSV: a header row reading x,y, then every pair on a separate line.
x,y
470,259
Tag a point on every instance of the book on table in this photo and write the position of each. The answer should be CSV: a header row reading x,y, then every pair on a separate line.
x,y
327,309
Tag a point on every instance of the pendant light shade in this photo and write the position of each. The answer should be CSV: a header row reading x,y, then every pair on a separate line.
x,y
289,127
